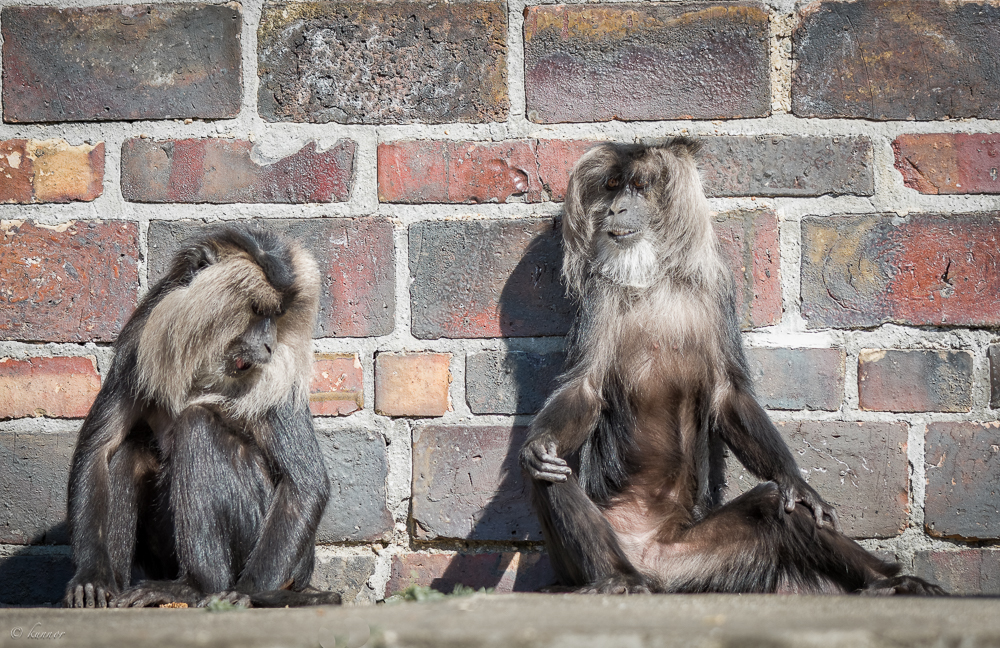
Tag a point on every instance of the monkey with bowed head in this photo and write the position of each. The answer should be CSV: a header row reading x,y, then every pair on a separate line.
x,y
197,472
626,458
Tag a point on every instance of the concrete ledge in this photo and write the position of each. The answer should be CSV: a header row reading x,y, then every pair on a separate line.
x,y
537,620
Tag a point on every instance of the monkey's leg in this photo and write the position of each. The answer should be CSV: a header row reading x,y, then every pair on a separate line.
x,y
582,545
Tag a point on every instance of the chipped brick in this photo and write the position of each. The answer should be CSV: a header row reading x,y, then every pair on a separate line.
x,y
336,388
43,171
412,384
55,387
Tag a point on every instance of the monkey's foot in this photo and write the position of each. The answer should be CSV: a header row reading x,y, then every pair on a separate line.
x,y
156,593
89,595
619,584
287,598
903,586
233,598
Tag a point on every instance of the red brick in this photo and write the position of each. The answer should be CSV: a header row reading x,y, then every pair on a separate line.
x,y
599,62
860,468
468,484
797,379
897,59
121,62
915,381
949,163
360,62
924,269
56,387
477,172
42,171
356,259
503,572
336,388
508,285
968,572
76,282
749,243
412,384
33,483
962,470
225,171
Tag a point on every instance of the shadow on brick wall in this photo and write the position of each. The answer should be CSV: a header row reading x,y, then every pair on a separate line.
x,y
37,574
528,378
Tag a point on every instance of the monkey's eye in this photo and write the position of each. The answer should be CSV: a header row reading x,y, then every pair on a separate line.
x,y
613,183
639,184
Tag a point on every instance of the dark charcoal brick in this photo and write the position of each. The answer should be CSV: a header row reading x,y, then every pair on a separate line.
x,y
121,62
949,163
510,382
383,63
682,60
781,165
356,265
897,59
347,575
225,171
33,484
968,572
475,279
358,464
503,572
77,282
467,484
798,379
860,468
926,269
915,381
31,579
962,469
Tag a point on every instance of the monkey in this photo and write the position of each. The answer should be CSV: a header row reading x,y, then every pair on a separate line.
x,y
197,472
626,458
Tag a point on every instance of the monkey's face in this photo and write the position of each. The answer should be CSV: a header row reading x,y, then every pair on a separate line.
x,y
254,347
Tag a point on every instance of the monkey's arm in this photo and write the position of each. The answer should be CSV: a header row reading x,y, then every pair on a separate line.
x,y
562,426
283,555
748,431
101,530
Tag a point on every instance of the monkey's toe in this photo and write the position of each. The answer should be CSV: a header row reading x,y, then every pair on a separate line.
x,y
903,586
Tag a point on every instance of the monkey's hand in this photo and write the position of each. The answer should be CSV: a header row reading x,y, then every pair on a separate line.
x,y
89,591
797,491
539,458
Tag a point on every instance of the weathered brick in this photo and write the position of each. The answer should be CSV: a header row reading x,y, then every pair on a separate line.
x,y
476,172
646,61
512,571
228,171
783,165
56,387
121,62
34,579
949,163
383,63
510,382
336,388
537,170
76,282
749,244
915,381
33,485
860,468
41,171
347,575
897,59
925,269
357,463
962,469
412,384
507,283
356,264
467,484
798,379
963,573
994,355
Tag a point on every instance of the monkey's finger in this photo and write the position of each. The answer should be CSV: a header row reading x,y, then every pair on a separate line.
x,y
557,464
551,448
88,590
101,597
548,476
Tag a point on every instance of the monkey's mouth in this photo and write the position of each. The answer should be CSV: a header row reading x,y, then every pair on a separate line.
x,y
622,235
242,365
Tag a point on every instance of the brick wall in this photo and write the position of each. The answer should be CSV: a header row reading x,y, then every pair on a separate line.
x,y
420,150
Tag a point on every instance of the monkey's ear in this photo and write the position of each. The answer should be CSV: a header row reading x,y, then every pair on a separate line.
x,y
692,146
577,231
